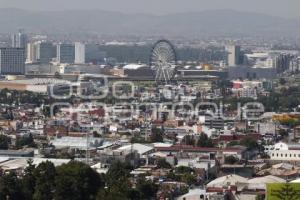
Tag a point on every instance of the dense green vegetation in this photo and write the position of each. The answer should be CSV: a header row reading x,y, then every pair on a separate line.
x,y
287,99
20,97
26,140
74,181
231,160
249,142
184,174
21,141
163,164
202,141
4,142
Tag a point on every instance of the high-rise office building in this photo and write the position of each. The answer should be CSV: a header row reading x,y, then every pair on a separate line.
x,y
282,62
234,55
79,53
19,40
294,65
12,61
31,53
45,52
65,53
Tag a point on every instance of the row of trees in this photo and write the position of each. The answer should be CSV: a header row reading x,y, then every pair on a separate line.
x,y
73,181
184,174
20,97
249,142
284,100
157,135
26,140
202,141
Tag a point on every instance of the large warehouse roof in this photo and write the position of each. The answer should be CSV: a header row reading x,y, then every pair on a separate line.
x,y
133,66
37,81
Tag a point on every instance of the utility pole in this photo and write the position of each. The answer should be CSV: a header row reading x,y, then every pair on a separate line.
x,y
87,148
87,156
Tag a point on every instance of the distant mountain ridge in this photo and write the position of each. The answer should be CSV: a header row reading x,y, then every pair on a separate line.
x,y
205,23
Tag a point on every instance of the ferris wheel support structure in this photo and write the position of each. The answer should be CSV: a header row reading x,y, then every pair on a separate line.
x,y
163,60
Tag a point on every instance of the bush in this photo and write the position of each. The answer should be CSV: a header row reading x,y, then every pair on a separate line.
x,y
231,160
4,142
163,164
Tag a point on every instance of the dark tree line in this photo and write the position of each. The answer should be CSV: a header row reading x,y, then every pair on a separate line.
x,y
21,97
200,141
21,141
284,100
4,142
73,181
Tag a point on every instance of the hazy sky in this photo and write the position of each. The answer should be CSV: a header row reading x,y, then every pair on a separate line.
x,y
284,8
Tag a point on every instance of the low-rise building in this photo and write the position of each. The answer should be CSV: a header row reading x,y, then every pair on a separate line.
x,y
285,152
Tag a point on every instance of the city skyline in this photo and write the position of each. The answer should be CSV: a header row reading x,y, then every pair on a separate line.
x,y
145,100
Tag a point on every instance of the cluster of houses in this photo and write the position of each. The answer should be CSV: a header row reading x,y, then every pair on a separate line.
x,y
144,131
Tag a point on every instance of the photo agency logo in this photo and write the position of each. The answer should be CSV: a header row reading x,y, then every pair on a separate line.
x,y
92,92
102,102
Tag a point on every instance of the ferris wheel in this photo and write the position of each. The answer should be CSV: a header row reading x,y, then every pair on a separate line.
x,y
163,61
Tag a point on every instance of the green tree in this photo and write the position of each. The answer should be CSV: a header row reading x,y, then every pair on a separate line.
x,y
172,176
111,194
184,190
4,142
183,174
76,181
188,178
163,164
260,197
156,135
44,174
204,141
183,169
10,187
96,134
231,160
26,140
146,189
286,192
118,186
189,140
249,142
28,180
282,81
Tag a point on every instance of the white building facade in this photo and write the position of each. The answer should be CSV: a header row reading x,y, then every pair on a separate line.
x,y
79,53
284,152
